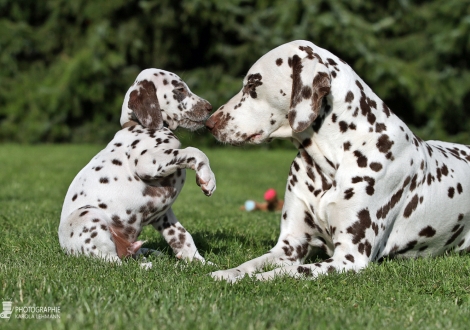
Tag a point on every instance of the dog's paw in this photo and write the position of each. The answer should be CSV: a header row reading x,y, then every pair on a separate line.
x,y
191,256
205,179
229,275
146,265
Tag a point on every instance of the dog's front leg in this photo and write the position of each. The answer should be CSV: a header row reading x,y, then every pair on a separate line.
x,y
179,239
353,237
346,258
295,243
162,163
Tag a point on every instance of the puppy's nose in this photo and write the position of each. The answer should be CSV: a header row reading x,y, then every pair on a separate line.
x,y
208,107
210,123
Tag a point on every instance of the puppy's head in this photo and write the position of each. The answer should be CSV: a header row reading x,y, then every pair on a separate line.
x,y
281,95
159,97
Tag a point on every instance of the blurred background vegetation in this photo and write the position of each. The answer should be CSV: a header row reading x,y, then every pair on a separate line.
x,y
66,65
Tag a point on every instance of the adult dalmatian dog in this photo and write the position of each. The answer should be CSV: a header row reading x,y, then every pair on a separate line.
x,y
362,186
134,180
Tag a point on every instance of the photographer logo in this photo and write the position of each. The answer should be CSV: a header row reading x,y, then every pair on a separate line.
x,y
6,313
30,312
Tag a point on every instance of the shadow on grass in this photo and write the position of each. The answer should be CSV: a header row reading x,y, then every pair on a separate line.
x,y
221,243
204,239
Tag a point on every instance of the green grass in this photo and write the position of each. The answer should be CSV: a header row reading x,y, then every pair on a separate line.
x,y
431,293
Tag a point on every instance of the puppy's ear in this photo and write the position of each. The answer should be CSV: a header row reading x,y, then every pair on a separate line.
x,y
143,103
310,83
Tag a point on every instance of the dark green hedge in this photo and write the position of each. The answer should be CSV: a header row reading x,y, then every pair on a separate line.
x,y
66,65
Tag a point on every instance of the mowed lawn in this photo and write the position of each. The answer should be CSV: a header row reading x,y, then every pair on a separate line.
x,y
431,293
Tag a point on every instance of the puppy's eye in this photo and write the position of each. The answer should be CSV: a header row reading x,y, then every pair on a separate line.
x,y
181,89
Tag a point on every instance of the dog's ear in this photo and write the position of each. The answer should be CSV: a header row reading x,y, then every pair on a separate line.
x,y
310,83
143,103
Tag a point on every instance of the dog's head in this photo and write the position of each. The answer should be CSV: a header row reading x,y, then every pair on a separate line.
x,y
159,97
281,95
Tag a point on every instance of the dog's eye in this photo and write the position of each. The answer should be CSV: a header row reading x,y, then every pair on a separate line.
x,y
181,89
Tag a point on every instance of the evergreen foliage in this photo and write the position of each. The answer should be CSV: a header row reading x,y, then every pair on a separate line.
x,y
66,65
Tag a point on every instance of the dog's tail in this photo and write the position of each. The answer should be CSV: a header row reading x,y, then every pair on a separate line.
x,y
124,248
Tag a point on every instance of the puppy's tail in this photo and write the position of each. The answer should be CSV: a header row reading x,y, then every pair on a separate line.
x,y
124,248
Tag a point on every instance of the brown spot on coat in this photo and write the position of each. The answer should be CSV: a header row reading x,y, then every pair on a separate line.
x,y
253,81
374,166
331,269
384,144
361,159
304,270
132,219
349,257
455,235
380,127
386,110
358,229
412,205
348,193
451,192
343,126
427,232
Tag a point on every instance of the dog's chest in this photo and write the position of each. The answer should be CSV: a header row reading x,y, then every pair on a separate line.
x,y
158,196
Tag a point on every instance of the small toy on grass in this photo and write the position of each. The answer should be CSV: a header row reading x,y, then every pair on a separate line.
x,y
271,203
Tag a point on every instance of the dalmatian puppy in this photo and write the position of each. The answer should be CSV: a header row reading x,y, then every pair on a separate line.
x,y
134,180
362,186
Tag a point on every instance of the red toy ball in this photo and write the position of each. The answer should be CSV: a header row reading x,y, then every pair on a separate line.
x,y
270,194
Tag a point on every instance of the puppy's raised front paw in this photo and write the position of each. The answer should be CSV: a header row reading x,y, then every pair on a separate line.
x,y
205,179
